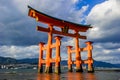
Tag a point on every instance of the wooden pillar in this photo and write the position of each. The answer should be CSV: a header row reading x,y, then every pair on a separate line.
x,y
40,65
48,68
69,59
90,59
58,58
78,55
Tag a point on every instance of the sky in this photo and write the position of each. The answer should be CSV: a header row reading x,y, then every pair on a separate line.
x,y
19,38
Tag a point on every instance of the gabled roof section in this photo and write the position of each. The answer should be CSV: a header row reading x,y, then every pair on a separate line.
x,y
42,17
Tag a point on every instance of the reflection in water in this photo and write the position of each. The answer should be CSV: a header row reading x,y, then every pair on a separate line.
x,y
48,77
90,76
75,76
23,74
67,76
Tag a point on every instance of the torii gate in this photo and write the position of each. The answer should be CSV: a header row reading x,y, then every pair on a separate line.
x,y
65,26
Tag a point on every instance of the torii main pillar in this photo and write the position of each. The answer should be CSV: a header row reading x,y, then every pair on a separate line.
x,y
57,57
48,68
69,58
40,61
78,61
90,59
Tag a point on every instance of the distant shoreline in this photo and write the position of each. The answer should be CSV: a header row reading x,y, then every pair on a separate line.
x,y
96,69
108,69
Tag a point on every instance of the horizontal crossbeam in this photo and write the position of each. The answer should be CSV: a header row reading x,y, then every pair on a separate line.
x,y
58,32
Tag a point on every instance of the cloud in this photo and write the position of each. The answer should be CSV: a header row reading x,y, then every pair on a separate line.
x,y
19,52
105,18
101,52
17,28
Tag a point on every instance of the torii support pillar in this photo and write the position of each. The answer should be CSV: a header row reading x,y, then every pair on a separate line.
x,y
40,64
78,61
58,58
90,59
48,68
69,59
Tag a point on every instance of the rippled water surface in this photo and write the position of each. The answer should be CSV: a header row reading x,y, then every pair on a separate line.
x,y
33,75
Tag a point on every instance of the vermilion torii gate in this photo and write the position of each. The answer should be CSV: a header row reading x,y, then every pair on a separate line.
x,y
65,26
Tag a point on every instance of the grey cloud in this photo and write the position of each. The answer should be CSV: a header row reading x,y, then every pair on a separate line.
x,y
17,28
20,51
21,33
109,32
110,45
107,52
106,18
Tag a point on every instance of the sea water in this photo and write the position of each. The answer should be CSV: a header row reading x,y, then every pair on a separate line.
x,y
31,74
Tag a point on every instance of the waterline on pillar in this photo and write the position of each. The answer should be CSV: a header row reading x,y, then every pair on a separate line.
x,y
40,70
70,68
79,69
57,70
91,69
48,69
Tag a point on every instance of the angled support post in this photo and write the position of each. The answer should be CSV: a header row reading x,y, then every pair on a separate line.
x,y
69,58
48,68
40,64
90,59
78,61
57,58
